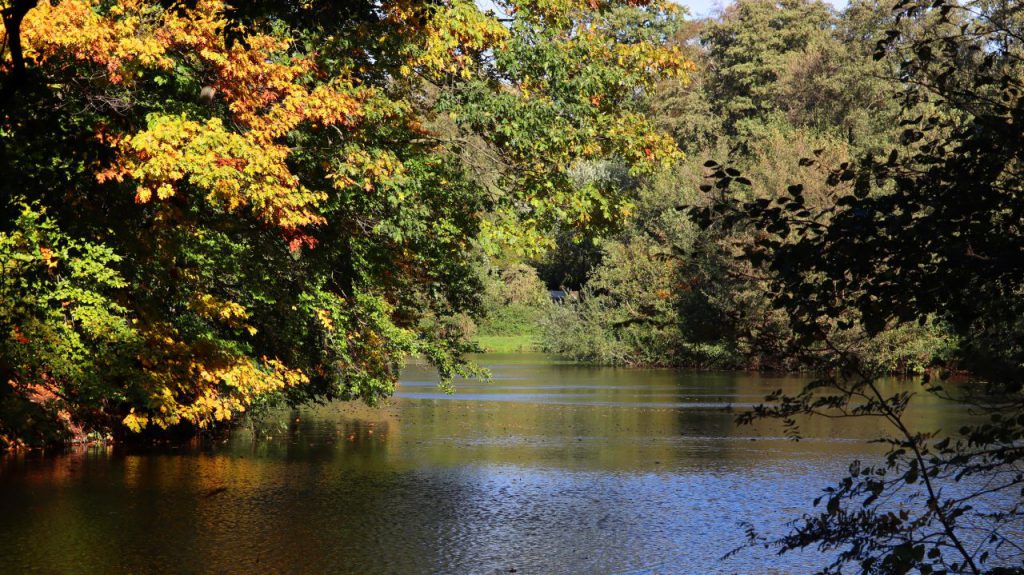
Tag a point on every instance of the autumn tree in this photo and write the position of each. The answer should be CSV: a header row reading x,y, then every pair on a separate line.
x,y
207,205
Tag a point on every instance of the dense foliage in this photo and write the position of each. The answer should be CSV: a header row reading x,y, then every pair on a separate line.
x,y
515,300
207,205
776,82
928,230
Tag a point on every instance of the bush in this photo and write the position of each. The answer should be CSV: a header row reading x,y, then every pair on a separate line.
x,y
514,302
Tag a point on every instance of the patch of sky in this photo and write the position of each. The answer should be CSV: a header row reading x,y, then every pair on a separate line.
x,y
697,8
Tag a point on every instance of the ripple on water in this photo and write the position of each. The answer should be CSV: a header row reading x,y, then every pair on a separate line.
x,y
551,470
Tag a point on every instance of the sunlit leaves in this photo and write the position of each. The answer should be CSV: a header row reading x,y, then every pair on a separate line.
x,y
287,200
573,77
448,37
232,170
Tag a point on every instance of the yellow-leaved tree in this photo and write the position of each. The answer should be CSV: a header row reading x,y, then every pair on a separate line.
x,y
207,206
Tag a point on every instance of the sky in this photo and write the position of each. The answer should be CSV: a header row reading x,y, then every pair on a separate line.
x,y
700,8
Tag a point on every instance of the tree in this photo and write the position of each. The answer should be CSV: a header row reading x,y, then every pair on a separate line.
x,y
928,232
205,206
750,47
817,88
834,86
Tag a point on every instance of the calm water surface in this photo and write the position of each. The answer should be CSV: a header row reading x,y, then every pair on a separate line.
x,y
548,469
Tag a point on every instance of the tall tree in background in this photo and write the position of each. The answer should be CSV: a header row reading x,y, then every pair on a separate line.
x,y
206,205
751,46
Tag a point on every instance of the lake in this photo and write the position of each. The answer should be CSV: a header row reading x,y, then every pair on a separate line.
x,y
548,469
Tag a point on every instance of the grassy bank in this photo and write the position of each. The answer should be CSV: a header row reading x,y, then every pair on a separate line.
x,y
508,343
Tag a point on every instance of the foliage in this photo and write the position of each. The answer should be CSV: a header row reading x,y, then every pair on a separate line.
x,y
926,233
514,301
777,82
575,71
626,311
57,310
508,343
568,263
750,48
206,205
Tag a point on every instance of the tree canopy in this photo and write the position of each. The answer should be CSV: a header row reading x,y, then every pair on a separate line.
x,y
206,205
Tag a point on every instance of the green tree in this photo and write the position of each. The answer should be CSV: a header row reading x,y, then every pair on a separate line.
x,y
817,89
750,48
514,301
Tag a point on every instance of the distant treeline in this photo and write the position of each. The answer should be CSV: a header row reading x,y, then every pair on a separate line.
x,y
775,83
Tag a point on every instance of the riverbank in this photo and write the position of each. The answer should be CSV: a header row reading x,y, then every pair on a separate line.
x,y
523,343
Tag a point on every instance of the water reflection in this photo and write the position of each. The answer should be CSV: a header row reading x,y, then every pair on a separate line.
x,y
549,469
